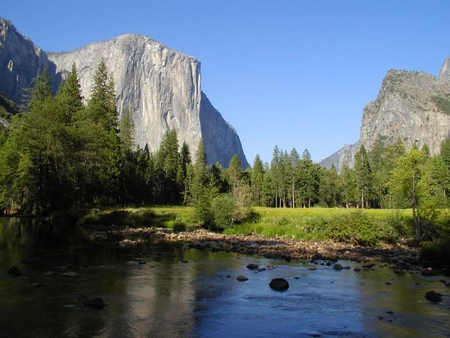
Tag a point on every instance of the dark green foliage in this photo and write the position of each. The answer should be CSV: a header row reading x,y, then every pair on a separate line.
x,y
438,251
359,228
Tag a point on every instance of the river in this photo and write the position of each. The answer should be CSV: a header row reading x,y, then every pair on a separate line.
x,y
155,289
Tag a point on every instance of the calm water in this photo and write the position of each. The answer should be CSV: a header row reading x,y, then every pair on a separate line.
x,y
187,293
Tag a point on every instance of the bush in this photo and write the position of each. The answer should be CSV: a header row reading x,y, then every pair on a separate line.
x,y
358,228
400,223
223,208
226,211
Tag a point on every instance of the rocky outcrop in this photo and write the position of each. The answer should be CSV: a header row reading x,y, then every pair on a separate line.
x,y
411,106
161,87
20,62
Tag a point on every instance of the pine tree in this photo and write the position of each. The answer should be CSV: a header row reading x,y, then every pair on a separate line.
x,y
235,172
364,175
257,180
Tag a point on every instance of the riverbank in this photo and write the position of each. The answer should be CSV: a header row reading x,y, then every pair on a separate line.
x,y
399,258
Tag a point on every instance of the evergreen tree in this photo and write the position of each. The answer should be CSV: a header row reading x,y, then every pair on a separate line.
x,y
329,190
309,180
41,91
257,180
363,175
235,171
348,186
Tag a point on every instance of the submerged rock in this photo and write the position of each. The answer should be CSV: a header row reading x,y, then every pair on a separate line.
x,y
280,284
49,274
433,296
96,303
71,274
338,266
14,271
241,278
252,266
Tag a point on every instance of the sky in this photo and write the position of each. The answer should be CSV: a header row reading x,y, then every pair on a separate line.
x,y
289,73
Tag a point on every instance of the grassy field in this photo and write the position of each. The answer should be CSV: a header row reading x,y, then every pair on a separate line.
x,y
312,223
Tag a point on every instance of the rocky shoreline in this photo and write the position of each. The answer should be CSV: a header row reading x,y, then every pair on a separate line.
x,y
401,258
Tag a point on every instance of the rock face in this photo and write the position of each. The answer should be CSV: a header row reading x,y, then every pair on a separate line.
x,y
410,106
20,62
162,87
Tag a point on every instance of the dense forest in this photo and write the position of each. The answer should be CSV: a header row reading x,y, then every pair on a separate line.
x,y
60,153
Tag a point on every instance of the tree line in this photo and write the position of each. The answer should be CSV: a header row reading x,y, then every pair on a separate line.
x,y
61,153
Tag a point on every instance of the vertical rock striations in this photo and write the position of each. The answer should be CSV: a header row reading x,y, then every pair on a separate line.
x,y
162,88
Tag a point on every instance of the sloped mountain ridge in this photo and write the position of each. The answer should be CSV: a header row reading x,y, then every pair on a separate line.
x,y
410,106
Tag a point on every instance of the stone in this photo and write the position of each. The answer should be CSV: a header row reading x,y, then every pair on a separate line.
x,y
433,296
357,268
427,272
337,266
49,274
71,274
14,271
252,266
241,278
96,303
36,285
279,284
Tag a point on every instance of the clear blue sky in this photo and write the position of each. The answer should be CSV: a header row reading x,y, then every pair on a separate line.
x,y
289,73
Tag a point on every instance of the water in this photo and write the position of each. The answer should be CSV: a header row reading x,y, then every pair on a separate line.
x,y
188,293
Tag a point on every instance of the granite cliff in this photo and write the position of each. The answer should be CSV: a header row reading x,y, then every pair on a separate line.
x,y
161,86
411,106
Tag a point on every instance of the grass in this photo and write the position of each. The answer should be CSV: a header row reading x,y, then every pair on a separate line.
x,y
174,217
315,223
358,226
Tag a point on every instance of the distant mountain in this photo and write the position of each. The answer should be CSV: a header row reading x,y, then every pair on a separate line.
x,y
161,86
411,106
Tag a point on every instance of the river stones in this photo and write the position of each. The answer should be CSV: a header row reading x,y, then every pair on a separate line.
x,y
96,303
241,278
49,274
71,274
252,266
36,285
357,269
427,272
279,284
338,266
14,271
433,296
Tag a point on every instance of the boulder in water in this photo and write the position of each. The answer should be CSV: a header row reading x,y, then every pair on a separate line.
x,y
279,284
433,296
96,303
14,271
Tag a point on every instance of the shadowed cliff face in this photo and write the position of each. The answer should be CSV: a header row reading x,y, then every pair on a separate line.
x,y
410,106
162,88
20,62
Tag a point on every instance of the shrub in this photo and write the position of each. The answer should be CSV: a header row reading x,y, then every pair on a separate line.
x,y
358,228
223,209
400,223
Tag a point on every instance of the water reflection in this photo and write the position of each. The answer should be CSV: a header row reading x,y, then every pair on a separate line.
x,y
160,290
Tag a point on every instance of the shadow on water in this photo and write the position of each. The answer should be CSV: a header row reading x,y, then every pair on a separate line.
x,y
160,290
